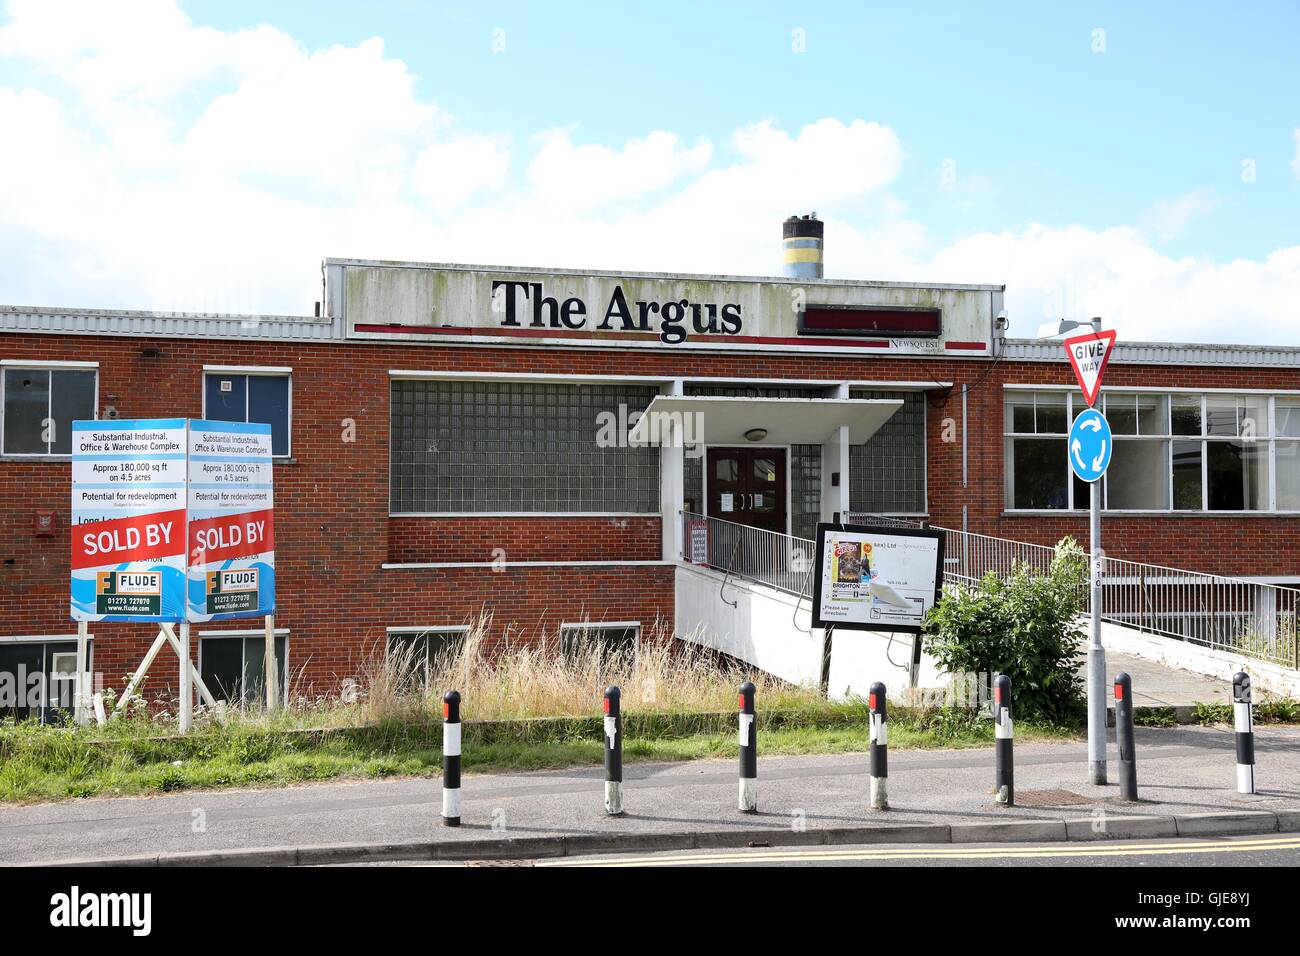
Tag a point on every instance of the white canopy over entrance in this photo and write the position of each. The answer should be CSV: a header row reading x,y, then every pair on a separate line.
x,y
786,421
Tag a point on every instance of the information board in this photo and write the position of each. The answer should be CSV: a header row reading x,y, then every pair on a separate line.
x,y
876,578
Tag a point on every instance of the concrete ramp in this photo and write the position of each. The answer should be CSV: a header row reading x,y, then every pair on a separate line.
x,y
772,630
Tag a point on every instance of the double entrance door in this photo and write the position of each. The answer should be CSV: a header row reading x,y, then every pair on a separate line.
x,y
748,486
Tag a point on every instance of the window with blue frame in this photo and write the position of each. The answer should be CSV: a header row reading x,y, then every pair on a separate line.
x,y
250,397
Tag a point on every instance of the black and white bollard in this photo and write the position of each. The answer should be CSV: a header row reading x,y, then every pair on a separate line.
x,y
1128,774
451,759
748,751
1004,731
879,747
1244,722
613,753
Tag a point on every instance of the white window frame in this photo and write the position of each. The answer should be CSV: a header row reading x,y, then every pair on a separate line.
x,y
21,365
407,631
1269,437
1008,472
261,371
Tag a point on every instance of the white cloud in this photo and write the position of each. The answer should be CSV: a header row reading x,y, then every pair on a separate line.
x,y
1168,218
141,50
1115,273
345,116
588,175
448,174
137,197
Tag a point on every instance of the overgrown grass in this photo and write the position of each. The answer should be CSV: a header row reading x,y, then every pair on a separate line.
x,y
526,706
43,763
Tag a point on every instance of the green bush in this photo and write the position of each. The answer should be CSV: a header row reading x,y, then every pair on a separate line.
x,y
1025,627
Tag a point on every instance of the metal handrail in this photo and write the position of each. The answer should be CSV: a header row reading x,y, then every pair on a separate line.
x,y
1211,610
776,560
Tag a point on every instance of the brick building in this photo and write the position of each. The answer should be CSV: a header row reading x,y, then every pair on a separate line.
x,y
454,440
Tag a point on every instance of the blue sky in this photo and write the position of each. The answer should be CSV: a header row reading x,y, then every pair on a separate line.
x,y
1142,161
1013,92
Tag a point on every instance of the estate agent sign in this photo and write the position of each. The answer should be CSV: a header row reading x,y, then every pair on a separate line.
x,y
128,520
171,520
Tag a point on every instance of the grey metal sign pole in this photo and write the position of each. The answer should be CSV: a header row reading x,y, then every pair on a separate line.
x,y
1091,446
1096,653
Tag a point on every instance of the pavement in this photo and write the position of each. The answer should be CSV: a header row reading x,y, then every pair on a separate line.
x,y
1186,785
1159,685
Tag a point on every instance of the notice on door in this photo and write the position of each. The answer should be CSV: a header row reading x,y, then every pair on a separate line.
x,y
128,520
876,579
231,527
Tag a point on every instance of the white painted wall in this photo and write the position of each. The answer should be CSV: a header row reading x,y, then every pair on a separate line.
x,y
763,629
1171,652
860,658
766,630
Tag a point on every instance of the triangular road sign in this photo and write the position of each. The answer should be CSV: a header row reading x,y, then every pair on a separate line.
x,y
1088,356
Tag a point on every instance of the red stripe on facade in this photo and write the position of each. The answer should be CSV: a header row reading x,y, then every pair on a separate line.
x,y
615,336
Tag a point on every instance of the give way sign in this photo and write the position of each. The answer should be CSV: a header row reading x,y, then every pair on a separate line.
x,y
1088,356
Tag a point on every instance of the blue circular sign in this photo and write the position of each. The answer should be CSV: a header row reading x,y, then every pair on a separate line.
x,y
1090,445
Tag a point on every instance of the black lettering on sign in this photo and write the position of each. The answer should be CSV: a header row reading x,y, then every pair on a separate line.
x,y
705,318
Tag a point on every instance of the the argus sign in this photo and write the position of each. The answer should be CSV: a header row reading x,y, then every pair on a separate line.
x,y
876,579
171,520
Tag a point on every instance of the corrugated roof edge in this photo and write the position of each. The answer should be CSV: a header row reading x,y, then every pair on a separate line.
x,y
694,276
23,319
1165,353
29,320
149,314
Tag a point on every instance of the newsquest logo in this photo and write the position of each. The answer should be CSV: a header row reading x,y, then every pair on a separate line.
x,y
77,909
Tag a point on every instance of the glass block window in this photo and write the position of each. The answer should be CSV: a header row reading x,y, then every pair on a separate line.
x,y
693,482
518,447
887,473
805,490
